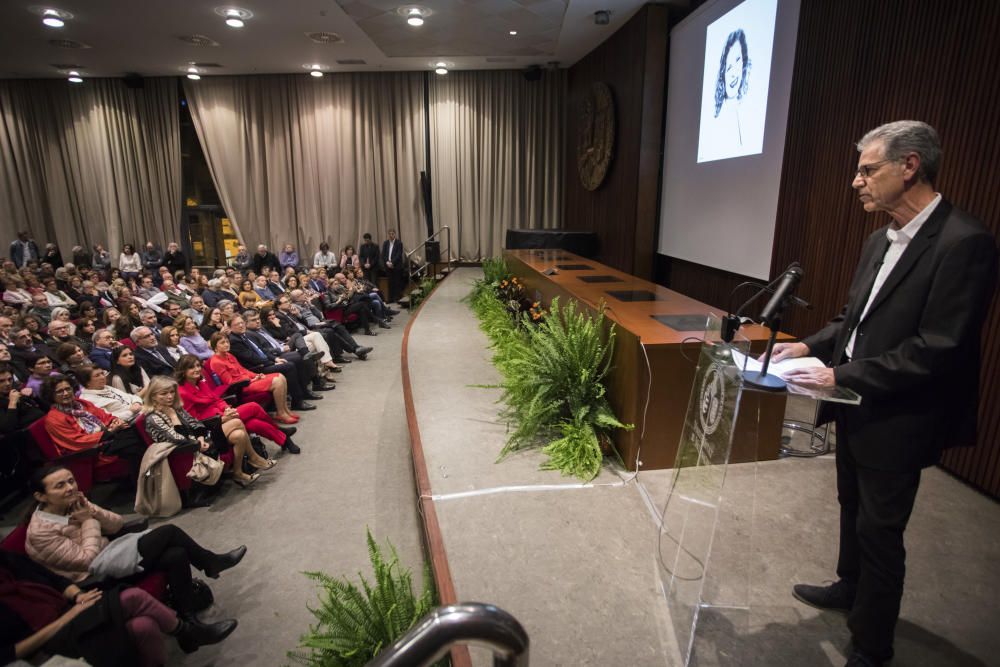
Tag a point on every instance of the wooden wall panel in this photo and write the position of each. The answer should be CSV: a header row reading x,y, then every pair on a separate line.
x,y
859,64
623,210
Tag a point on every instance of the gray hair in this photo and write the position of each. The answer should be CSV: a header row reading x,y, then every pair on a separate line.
x,y
93,336
147,310
214,284
138,333
903,137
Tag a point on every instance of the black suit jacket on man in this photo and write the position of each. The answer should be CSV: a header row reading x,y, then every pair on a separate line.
x,y
152,364
915,360
397,254
247,356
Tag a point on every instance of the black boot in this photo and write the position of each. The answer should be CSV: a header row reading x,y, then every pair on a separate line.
x,y
199,495
221,562
291,447
192,634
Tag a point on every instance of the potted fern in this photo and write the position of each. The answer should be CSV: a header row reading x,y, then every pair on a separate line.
x,y
355,622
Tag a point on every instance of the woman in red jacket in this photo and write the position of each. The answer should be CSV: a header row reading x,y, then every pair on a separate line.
x,y
76,425
203,401
229,370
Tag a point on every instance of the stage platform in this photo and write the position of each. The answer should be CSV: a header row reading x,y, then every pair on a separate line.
x,y
577,563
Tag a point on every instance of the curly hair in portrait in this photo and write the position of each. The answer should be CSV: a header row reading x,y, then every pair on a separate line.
x,y
720,83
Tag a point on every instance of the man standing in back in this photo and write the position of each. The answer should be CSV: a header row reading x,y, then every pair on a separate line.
x,y
908,341
392,261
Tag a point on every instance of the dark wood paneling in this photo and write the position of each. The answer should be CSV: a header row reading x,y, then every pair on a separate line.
x,y
624,208
860,64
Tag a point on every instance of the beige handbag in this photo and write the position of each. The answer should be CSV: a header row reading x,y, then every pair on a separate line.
x,y
205,470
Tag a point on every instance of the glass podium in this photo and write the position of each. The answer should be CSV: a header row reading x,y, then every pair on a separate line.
x,y
706,538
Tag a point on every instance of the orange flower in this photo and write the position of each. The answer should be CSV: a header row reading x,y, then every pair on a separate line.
x,y
536,304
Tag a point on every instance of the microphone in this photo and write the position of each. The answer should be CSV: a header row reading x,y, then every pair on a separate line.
x,y
786,286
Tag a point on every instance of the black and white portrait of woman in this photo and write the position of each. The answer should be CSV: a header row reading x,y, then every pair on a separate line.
x,y
734,103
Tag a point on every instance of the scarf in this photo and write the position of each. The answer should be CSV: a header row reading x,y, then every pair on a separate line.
x,y
86,421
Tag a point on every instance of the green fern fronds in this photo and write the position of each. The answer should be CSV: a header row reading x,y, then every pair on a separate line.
x,y
355,622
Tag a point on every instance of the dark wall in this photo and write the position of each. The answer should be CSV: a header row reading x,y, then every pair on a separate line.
x,y
860,64
624,209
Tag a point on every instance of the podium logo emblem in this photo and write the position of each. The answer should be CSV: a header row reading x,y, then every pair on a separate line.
x,y
711,399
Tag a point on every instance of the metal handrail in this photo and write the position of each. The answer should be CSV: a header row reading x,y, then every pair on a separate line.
x,y
463,623
423,245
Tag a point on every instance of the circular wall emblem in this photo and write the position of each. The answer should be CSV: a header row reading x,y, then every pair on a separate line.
x,y
712,397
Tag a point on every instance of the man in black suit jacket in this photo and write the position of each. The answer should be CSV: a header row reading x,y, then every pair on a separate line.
x,y
908,342
150,355
392,263
256,355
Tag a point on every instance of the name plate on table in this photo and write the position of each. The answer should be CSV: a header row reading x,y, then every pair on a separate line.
x,y
682,322
637,295
574,267
600,279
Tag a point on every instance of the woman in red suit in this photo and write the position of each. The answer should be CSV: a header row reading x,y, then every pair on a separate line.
x,y
203,401
229,370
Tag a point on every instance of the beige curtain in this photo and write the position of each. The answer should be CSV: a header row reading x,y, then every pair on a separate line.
x,y
302,160
92,163
496,151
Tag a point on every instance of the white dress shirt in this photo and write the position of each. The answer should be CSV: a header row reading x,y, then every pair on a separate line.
x,y
898,239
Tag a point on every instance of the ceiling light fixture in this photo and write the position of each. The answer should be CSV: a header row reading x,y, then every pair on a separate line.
x,y
513,33
316,73
75,77
415,15
236,17
192,73
415,18
441,70
51,17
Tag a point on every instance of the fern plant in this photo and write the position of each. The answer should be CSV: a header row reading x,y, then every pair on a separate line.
x,y
552,380
355,622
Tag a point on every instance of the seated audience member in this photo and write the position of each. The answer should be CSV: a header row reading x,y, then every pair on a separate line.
x,y
56,296
285,321
197,311
229,370
291,281
6,330
147,318
214,293
71,357
228,287
213,324
363,286
315,282
85,328
77,424
310,345
304,362
129,262
228,309
309,315
324,259
43,613
170,291
67,534
339,295
146,290
152,258
347,258
264,259
40,368
170,339
100,352
100,260
35,328
126,374
255,294
170,312
15,293
168,421
110,316
191,340
59,333
274,284
288,258
60,314
23,407
150,355
96,389
368,256
242,261
24,349
204,401
173,259
40,308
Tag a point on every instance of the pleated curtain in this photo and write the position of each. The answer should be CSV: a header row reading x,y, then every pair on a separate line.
x,y
496,147
92,163
300,160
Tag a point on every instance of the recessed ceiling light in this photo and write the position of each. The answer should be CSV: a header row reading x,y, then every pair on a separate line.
x,y
75,79
440,64
192,70
234,23
235,16
316,73
53,21
194,77
415,15
415,21
440,70
52,17
73,72
513,32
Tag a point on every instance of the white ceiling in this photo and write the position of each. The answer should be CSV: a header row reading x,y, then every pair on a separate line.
x,y
142,36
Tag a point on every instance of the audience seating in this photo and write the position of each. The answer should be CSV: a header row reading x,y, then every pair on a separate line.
x,y
86,466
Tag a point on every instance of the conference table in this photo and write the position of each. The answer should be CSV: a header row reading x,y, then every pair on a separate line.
x,y
633,305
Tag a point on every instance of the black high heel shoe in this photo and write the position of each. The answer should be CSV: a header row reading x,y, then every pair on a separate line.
x,y
222,562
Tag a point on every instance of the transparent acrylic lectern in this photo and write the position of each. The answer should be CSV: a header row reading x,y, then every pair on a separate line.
x,y
706,547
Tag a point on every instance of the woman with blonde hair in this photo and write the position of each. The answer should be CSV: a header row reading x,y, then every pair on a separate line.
x,y
168,421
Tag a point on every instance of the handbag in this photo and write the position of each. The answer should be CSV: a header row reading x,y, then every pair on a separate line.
x,y
205,470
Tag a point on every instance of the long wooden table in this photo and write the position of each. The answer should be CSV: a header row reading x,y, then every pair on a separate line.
x,y
671,353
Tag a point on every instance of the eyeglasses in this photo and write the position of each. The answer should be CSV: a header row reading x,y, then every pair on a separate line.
x,y
866,170
64,390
